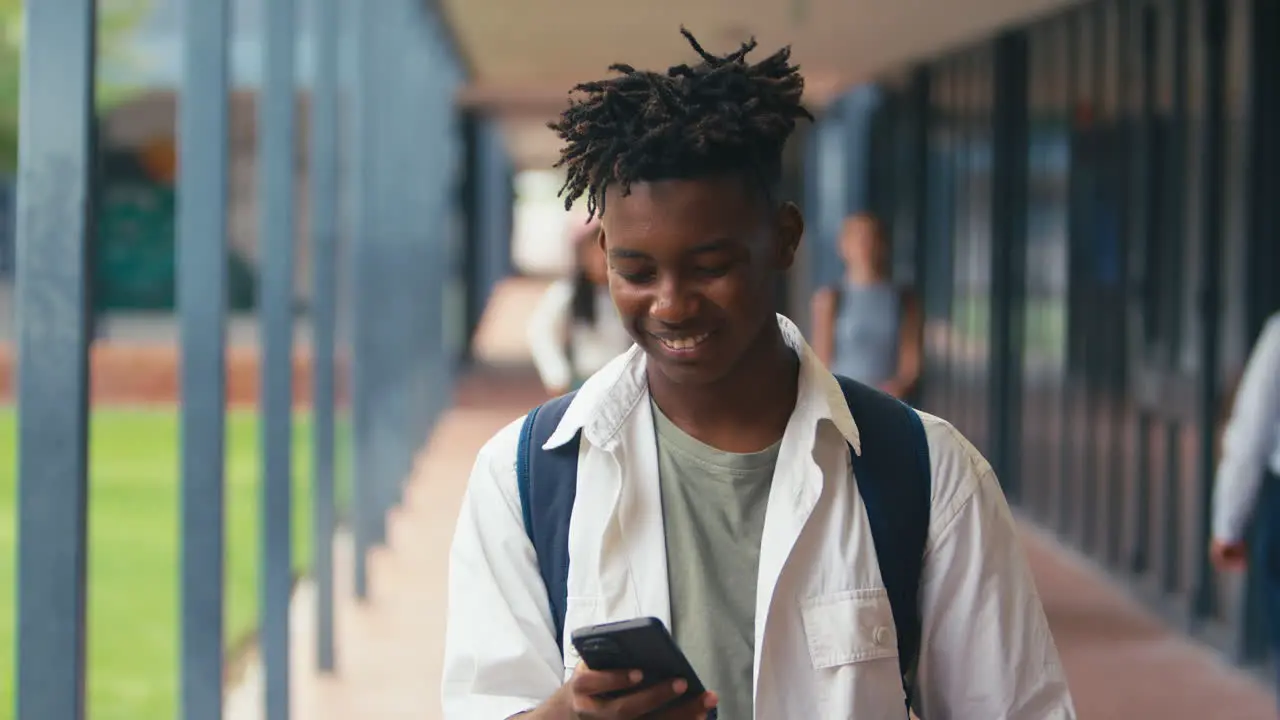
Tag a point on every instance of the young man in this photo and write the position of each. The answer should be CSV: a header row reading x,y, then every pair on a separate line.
x,y
714,483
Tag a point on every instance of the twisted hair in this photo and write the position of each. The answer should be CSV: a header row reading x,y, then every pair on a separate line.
x,y
720,116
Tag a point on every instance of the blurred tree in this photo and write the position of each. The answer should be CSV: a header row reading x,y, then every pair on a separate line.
x,y
117,20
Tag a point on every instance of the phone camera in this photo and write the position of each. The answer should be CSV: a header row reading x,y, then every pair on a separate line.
x,y
601,646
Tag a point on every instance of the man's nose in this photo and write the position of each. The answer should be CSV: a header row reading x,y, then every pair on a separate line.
x,y
674,304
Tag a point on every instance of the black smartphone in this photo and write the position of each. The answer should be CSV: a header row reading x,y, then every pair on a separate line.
x,y
642,644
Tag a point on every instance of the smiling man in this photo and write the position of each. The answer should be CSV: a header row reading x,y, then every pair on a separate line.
x,y
719,478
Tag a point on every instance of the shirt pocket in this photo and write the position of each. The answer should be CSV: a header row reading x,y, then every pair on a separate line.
x,y
579,613
853,646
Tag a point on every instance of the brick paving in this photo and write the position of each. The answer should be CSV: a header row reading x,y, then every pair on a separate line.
x,y
131,372
1123,663
389,648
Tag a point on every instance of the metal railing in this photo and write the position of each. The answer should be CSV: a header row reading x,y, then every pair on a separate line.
x,y
383,167
6,228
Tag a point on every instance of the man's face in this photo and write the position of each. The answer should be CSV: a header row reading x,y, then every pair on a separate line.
x,y
692,266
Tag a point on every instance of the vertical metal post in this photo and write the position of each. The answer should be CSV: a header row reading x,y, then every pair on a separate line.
x,y
324,231
364,491
277,238
55,220
416,236
420,198
1009,237
471,246
393,180
918,189
202,300
406,178
432,198
1212,205
435,248
495,202
831,170
1145,204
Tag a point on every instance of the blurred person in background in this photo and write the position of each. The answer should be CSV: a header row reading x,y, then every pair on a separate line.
x,y
575,330
866,327
1248,478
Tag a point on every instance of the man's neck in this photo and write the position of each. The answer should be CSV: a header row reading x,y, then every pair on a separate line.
x,y
745,411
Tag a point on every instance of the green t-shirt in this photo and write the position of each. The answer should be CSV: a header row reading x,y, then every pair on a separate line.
x,y
713,506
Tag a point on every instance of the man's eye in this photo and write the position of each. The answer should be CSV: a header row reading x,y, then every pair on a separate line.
x,y
717,271
636,278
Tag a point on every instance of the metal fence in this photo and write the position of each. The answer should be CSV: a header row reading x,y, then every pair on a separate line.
x,y
6,228
384,170
1090,205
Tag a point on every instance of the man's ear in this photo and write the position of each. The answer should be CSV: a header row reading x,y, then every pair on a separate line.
x,y
790,228
602,243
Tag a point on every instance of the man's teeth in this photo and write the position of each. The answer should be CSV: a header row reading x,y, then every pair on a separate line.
x,y
684,343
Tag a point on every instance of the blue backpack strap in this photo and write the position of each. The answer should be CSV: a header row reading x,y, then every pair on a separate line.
x,y
895,479
548,483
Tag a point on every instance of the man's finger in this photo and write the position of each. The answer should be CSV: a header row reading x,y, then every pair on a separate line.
x,y
595,682
698,708
642,703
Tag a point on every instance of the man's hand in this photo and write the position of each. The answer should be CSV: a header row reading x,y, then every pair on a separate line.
x,y
580,698
1231,556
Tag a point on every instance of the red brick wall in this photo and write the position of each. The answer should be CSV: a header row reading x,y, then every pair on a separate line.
x,y
148,374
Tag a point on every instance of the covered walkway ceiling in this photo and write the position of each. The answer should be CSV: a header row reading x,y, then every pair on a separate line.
x,y
525,54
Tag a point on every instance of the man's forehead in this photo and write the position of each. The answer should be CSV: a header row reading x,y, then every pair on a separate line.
x,y
681,191
714,206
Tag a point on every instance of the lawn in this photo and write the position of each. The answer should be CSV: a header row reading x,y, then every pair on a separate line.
x,y
133,555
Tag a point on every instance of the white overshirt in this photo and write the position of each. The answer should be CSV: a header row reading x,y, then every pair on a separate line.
x,y
1251,440
825,641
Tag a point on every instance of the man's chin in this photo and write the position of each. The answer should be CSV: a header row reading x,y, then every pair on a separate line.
x,y
690,375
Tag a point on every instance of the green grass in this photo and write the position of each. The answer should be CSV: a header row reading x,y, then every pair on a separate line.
x,y
1044,323
134,548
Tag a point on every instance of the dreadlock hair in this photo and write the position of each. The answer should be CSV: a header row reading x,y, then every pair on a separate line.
x,y
721,116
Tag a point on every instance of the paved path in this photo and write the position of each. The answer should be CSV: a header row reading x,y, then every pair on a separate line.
x,y
1123,663
389,647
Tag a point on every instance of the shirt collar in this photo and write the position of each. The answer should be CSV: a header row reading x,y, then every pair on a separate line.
x,y
607,399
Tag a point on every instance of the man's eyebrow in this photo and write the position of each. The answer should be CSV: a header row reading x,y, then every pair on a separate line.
x,y
719,245
625,254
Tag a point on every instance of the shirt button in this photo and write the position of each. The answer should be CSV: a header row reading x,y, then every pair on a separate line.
x,y
881,635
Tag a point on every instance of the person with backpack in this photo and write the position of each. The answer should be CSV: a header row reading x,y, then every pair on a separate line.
x,y
817,548
574,330
866,327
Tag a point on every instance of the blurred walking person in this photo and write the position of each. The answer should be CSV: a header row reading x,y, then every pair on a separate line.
x,y
1248,478
866,327
575,329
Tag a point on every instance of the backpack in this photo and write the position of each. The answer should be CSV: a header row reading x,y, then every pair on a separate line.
x,y
893,473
